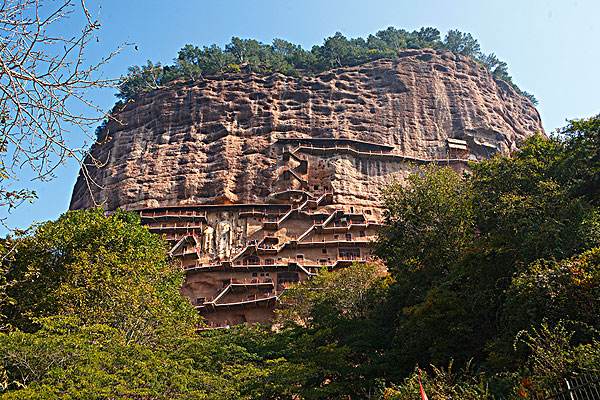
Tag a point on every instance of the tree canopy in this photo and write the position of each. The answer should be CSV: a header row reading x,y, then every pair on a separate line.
x,y
281,56
492,289
98,269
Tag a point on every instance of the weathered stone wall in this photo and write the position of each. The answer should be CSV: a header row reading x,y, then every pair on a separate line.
x,y
212,141
258,181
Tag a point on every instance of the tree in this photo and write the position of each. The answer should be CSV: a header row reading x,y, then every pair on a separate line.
x,y
101,269
44,81
498,68
332,332
290,59
427,222
93,310
188,62
429,37
349,293
462,43
143,79
391,39
548,291
337,51
526,205
486,255
583,157
67,360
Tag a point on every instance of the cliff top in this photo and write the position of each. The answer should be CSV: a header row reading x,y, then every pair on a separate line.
x,y
217,140
281,56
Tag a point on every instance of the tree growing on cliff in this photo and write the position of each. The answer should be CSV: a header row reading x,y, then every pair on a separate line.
x,y
462,43
284,57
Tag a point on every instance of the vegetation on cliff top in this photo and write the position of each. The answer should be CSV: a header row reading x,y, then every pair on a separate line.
x,y
281,56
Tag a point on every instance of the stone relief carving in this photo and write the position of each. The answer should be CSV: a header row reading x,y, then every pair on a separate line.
x,y
224,239
208,242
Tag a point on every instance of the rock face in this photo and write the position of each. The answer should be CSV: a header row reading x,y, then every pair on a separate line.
x,y
211,141
258,181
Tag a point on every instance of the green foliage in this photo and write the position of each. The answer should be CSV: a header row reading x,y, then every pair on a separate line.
x,y
526,203
334,327
428,222
483,256
462,43
143,79
349,293
67,360
101,269
91,309
583,157
281,56
495,272
556,355
550,291
441,384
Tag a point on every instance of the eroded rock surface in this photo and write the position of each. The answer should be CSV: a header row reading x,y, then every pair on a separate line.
x,y
214,141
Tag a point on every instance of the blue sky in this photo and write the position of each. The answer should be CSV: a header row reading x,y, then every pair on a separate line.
x,y
551,46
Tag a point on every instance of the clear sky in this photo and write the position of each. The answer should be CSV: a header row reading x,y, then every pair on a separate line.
x,y
552,47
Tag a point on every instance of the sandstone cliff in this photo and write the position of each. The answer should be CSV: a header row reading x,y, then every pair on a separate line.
x,y
211,141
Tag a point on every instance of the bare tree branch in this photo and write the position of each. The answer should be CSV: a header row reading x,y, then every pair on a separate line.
x,y
44,77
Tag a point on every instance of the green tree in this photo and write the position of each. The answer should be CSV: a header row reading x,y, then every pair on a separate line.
x,y
143,79
287,58
550,291
92,310
101,269
478,258
69,361
526,204
582,160
428,222
462,43
332,333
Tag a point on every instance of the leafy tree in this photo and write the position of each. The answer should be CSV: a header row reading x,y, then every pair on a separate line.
x,y
94,311
103,270
296,57
142,80
347,294
497,67
550,291
462,43
333,330
338,51
388,42
189,61
526,206
67,360
582,160
428,222
429,37
486,255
